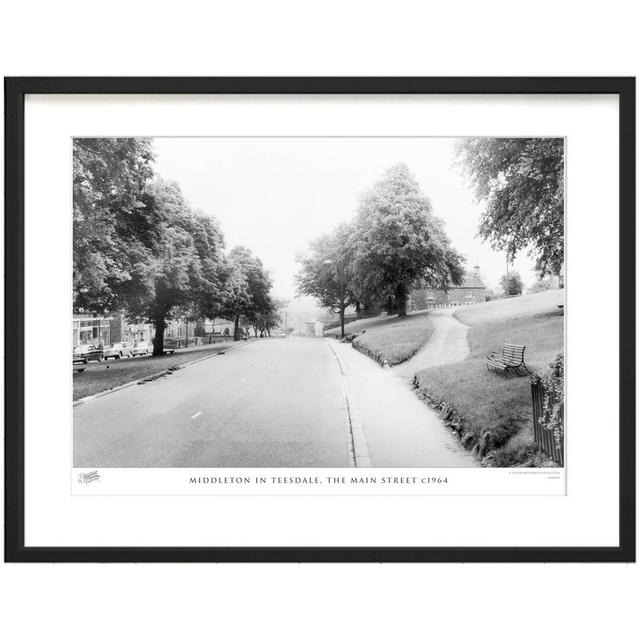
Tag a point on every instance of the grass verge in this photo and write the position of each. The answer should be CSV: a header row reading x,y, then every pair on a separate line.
x,y
394,339
492,413
114,373
397,340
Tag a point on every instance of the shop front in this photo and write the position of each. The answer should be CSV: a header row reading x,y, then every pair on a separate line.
x,y
91,331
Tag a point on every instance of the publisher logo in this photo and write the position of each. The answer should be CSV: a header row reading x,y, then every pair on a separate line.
x,y
88,477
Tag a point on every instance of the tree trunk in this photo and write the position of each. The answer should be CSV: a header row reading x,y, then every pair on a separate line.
x,y
158,340
236,328
343,306
390,306
401,299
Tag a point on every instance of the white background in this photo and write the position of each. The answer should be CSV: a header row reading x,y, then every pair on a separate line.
x,y
334,38
55,518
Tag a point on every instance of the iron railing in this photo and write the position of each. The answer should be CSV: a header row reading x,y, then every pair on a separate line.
x,y
542,435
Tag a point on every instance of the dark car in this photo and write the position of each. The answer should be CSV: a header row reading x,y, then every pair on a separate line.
x,y
85,353
171,344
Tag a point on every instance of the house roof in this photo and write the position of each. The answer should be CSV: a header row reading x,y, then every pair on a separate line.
x,y
470,281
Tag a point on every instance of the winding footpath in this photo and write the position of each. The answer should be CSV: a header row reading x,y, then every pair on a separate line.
x,y
448,343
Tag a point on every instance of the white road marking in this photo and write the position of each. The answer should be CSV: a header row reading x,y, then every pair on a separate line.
x,y
195,415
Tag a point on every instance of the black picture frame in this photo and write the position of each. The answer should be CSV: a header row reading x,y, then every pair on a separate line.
x,y
15,91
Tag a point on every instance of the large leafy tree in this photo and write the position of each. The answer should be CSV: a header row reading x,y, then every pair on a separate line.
x,y
325,271
398,243
247,297
186,268
521,182
111,225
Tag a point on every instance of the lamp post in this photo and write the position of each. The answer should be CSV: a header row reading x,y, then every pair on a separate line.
x,y
340,276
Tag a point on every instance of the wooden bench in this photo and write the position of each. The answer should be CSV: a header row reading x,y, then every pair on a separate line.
x,y
510,358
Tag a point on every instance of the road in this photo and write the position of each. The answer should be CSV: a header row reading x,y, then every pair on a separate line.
x,y
272,403
269,403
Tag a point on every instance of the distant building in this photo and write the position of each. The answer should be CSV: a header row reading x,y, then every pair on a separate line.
x,y
136,332
215,327
89,330
106,331
313,329
471,291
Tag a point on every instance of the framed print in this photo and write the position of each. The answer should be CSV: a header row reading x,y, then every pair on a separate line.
x,y
320,319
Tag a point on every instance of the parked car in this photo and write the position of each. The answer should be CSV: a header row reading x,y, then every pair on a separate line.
x,y
118,350
171,344
141,348
85,353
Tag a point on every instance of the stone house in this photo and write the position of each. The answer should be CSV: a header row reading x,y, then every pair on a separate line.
x,y
471,291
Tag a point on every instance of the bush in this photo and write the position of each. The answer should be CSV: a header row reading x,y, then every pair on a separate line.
x,y
552,379
512,284
541,285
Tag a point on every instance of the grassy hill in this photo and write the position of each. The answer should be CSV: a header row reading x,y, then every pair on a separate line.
x,y
391,338
518,307
488,406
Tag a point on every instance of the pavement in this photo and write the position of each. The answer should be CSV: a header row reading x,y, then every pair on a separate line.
x,y
274,403
400,430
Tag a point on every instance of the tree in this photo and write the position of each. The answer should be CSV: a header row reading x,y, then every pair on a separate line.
x,y
111,224
266,320
247,296
398,243
325,271
237,299
521,180
186,269
511,284
138,247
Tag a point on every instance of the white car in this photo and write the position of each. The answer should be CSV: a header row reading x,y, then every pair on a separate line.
x,y
141,349
118,350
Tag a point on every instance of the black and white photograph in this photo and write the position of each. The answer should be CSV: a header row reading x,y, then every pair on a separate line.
x,y
318,302
321,319
349,292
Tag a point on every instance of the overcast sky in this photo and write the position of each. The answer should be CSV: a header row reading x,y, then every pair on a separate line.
x,y
274,195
